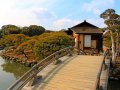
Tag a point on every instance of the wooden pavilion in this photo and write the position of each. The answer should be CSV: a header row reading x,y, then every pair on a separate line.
x,y
87,36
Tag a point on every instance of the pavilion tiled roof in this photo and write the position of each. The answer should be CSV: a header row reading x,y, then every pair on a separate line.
x,y
86,27
85,24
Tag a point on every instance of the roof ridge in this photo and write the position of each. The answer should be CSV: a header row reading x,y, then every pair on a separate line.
x,y
85,24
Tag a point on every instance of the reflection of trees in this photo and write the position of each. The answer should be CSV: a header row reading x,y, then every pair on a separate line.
x,y
14,68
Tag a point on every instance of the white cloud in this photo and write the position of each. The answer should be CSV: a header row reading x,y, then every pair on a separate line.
x,y
98,22
65,23
35,3
43,13
12,13
96,6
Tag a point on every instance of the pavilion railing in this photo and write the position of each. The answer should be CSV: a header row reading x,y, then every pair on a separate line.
x,y
22,81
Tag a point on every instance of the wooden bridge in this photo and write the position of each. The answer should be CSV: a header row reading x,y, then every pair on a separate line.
x,y
69,72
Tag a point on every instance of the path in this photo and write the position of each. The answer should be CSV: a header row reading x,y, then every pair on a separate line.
x,y
79,73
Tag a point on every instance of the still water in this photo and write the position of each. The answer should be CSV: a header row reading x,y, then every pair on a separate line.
x,y
114,85
10,72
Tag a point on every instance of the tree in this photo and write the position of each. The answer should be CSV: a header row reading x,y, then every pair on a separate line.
x,y
10,29
0,34
112,20
36,30
25,30
50,42
33,30
12,40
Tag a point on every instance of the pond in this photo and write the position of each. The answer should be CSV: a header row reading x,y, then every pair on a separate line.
x,y
10,72
114,85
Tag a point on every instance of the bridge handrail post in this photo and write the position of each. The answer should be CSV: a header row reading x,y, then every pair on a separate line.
x,y
56,58
104,65
106,55
80,51
70,51
57,54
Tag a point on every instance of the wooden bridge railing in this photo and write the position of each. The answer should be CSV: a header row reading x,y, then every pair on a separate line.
x,y
22,81
103,65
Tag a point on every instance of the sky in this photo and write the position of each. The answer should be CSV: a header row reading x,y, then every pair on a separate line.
x,y
54,14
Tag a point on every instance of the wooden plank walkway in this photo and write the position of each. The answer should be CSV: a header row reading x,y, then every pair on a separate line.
x,y
79,74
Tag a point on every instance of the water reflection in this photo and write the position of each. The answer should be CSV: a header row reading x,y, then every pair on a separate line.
x,y
114,85
15,68
10,72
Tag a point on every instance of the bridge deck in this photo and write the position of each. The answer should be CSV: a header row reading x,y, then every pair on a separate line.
x,y
79,74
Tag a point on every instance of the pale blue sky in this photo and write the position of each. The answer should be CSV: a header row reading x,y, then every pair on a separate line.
x,y
54,14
